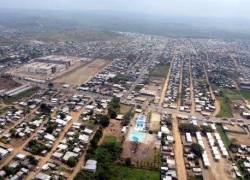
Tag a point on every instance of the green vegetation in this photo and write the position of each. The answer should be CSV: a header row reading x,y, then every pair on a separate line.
x,y
127,117
72,161
108,139
236,94
114,107
3,110
119,78
206,129
188,127
45,108
95,140
160,70
138,87
224,136
197,149
225,111
245,94
130,173
36,147
22,95
105,155
243,169
32,160
103,120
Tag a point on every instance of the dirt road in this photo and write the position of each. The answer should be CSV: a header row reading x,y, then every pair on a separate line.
x,y
180,87
75,117
165,86
216,101
191,88
178,148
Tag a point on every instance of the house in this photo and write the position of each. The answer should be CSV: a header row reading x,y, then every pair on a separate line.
x,y
90,165
42,176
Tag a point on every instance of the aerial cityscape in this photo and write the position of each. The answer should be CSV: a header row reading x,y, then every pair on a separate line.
x,y
105,97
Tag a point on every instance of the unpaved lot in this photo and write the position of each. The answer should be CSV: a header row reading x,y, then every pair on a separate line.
x,y
82,74
7,83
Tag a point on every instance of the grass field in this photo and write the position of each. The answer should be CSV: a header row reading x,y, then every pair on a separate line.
x,y
160,70
22,95
3,110
128,173
225,111
237,94
245,94
232,94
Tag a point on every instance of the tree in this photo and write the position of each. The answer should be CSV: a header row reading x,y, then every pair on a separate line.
x,y
127,117
114,103
112,113
84,175
102,119
62,115
32,160
188,127
205,129
72,161
128,161
45,108
50,85
197,149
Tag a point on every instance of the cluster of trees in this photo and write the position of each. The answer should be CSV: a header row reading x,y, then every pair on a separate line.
x,y
36,147
119,78
127,117
72,161
190,128
113,107
45,108
50,127
105,155
197,149
103,120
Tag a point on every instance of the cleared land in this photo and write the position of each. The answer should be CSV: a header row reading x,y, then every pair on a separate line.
x,y
155,119
82,74
8,83
160,70
135,174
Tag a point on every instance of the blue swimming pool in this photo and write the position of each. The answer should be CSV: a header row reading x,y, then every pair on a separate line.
x,y
140,123
137,136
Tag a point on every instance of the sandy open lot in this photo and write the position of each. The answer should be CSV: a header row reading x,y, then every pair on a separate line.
x,y
240,138
83,73
7,83
155,121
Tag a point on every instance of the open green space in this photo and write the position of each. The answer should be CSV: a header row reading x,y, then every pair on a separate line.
x,y
130,173
3,110
225,111
245,94
232,94
108,139
160,70
237,94
22,95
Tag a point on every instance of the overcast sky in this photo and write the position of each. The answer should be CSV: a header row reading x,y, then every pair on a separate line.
x,y
198,8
